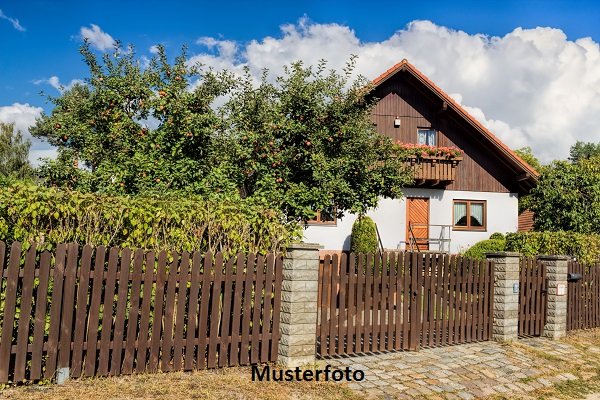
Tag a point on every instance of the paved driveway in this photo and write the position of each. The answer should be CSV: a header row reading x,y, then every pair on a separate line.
x,y
466,371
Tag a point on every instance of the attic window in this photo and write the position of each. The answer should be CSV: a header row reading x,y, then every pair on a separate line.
x,y
426,136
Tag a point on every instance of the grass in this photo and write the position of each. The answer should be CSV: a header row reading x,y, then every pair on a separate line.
x,y
228,383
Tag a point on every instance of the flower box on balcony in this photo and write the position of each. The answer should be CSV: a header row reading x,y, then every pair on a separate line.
x,y
434,169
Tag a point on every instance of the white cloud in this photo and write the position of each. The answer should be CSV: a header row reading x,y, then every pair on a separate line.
x,y
23,116
13,21
97,37
55,83
531,87
153,49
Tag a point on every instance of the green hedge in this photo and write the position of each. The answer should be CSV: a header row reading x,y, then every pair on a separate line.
x,y
51,216
585,247
479,249
364,236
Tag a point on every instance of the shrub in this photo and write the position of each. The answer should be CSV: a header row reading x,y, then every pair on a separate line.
x,y
51,216
497,235
479,249
586,247
364,236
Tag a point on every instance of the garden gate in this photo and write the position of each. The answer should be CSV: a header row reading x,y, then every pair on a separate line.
x,y
402,301
533,297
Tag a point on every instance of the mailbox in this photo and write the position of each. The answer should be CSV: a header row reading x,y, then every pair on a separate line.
x,y
572,277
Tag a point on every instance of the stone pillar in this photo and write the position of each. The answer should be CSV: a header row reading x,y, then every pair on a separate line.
x,y
556,275
506,295
298,326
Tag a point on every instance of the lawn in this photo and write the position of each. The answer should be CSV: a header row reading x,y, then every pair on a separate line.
x,y
228,383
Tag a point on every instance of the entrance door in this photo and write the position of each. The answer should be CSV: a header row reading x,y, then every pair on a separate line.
x,y
417,223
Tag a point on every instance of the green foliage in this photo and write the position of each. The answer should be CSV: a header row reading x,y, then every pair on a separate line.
x,y
478,250
136,130
364,236
50,216
582,151
585,247
14,154
567,197
306,142
525,202
497,235
301,142
527,155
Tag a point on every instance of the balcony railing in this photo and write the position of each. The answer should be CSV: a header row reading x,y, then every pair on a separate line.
x,y
434,170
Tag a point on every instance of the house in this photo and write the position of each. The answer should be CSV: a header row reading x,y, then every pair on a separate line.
x,y
455,201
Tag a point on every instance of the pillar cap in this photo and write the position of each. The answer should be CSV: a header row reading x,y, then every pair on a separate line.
x,y
502,254
304,246
553,257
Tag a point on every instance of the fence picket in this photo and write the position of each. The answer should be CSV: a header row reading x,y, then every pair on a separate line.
x,y
24,315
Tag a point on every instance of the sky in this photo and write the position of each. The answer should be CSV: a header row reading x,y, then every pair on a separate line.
x,y
528,70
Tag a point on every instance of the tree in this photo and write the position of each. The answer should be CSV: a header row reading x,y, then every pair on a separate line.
x,y
301,143
567,197
527,155
582,151
306,142
135,130
14,153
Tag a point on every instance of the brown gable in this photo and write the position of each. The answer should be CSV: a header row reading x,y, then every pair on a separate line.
x,y
528,175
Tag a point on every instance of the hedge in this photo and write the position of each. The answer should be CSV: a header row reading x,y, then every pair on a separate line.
x,y
478,250
364,236
51,216
586,247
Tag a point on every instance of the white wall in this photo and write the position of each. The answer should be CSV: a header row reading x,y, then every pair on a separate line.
x,y
390,217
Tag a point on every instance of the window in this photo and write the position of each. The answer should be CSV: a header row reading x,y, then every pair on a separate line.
x,y
327,216
426,136
469,215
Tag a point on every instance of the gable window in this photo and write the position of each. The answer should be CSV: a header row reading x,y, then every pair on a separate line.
x,y
469,215
426,136
326,216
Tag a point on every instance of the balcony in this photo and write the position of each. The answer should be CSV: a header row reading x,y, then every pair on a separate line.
x,y
433,170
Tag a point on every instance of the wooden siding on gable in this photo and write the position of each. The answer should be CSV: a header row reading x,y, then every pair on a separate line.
x,y
481,169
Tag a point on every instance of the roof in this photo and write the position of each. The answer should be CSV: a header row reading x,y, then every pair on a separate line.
x,y
404,65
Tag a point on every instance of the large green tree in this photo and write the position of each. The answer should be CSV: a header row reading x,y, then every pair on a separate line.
x,y
300,142
567,197
135,129
14,153
306,141
583,151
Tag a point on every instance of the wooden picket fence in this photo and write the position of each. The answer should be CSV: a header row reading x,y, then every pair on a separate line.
x,y
533,297
113,311
402,301
583,301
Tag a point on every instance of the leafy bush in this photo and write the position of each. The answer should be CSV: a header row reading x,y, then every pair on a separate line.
x,y
497,235
364,236
586,247
479,249
51,216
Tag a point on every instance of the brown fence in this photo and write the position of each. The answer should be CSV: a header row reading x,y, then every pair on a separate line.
x,y
113,311
583,301
402,301
533,297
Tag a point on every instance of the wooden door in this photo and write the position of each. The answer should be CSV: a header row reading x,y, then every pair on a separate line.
x,y
417,223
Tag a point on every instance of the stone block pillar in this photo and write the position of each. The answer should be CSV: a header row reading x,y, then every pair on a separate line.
x,y
298,324
556,275
506,295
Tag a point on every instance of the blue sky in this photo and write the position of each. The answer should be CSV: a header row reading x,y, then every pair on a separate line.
x,y
460,40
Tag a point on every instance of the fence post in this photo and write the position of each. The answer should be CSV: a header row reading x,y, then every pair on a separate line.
x,y
556,316
298,326
506,295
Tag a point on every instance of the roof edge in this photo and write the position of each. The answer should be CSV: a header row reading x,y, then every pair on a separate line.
x,y
405,65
